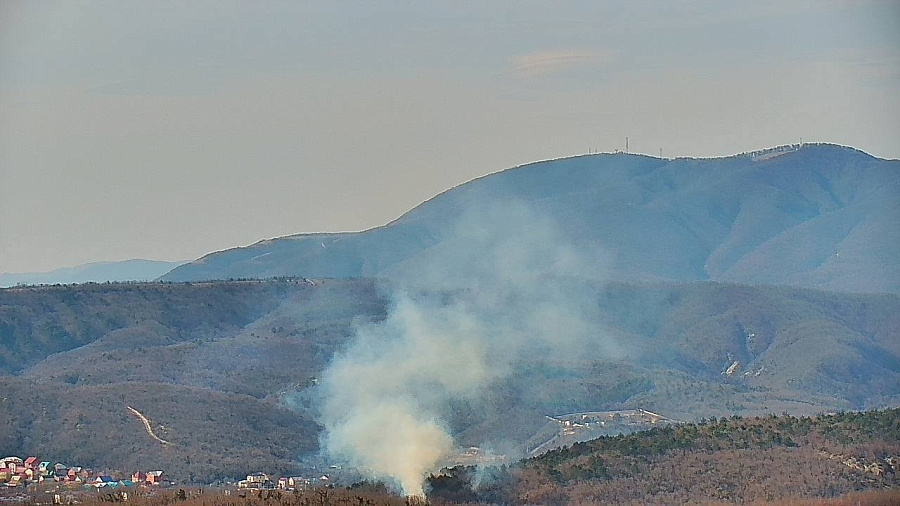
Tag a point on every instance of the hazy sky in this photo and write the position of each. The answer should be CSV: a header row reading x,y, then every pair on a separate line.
x,y
167,130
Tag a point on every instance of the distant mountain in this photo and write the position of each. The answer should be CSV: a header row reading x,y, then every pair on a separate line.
x,y
818,216
98,272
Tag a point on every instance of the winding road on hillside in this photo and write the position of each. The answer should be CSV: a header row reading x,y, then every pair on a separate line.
x,y
146,423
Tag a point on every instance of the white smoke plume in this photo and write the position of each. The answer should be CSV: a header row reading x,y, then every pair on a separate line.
x,y
503,284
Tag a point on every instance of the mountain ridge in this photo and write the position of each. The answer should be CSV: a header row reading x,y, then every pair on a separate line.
x,y
779,220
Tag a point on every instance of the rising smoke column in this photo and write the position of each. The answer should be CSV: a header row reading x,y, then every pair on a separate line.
x,y
461,316
383,393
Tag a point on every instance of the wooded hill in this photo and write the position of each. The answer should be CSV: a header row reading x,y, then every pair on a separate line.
x,y
227,371
844,459
734,460
208,364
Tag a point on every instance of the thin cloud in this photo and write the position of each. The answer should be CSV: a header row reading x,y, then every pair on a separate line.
x,y
541,63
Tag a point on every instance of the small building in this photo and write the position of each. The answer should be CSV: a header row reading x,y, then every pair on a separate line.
x,y
154,477
299,483
77,474
258,478
256,481
7,461
104,481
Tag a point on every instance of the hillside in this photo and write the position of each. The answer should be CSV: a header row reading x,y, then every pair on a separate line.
x,y
214,362
733,460
844,459
822,216
39,322
96,272
211,434
208,363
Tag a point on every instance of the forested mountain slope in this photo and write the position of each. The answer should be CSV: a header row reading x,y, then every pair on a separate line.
x,y
209,363
735,460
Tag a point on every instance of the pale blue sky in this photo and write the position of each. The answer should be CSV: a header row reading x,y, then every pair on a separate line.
x,y
167,130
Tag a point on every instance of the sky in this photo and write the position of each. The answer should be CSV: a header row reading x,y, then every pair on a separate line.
x,y
168,130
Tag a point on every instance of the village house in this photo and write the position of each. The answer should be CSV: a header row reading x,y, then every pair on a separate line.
x,y
258,478
256,481
154,477
104,481
299,483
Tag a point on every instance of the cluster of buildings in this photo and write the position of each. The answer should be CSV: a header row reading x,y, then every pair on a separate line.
x,y
262,481
16,472
565,430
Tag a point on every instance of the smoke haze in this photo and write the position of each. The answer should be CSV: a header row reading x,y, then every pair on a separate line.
x,y
502,284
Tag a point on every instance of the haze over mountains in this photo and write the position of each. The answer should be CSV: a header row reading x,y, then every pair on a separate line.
x,y
593,283
821,216
97,272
